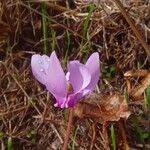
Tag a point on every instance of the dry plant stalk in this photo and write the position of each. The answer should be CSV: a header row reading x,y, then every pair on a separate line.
x,y
124,138
104,108
133,27
71,116
101,107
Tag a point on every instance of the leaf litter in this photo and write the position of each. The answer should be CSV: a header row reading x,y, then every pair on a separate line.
x,y
26,106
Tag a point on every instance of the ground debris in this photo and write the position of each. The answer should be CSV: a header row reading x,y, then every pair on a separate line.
x,y
106,107
137,92
25,106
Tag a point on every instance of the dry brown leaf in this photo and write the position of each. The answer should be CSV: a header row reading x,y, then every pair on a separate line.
x,y
104,107
138,92
136,73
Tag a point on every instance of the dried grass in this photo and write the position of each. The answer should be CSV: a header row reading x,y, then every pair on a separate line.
x,y
24,103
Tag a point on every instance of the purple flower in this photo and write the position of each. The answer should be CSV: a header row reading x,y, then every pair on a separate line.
x,y
67,89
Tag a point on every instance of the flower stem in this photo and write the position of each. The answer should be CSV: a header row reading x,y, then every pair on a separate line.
x,y
71,114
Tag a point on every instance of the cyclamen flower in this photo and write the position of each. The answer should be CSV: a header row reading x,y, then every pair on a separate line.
x,y
67,89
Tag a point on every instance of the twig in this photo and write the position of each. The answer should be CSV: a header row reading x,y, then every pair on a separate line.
x,y
105,135
124,138
133,27
57,133
22,89
93,136
68,129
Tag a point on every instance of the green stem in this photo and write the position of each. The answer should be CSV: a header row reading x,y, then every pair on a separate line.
x,y
45,27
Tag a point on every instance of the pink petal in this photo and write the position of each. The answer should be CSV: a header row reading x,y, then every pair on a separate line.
x,y
60,102
67,76
79,76
73,99
94,68
49,72
39,66
56,82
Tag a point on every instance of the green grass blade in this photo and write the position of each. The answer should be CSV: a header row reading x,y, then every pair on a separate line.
x,y
142,134
53,44
73,143
45,27
113,137
87,20
85,44
147,93
9,144
68,45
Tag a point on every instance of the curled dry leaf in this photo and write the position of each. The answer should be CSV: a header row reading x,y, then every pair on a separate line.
x,y
104,107
136,73
138,92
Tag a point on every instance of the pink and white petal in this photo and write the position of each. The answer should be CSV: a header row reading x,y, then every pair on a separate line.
x,y
67,76
86,92
73,99
93,66
79,76
38,68
56,82
60,102
46,60
85,75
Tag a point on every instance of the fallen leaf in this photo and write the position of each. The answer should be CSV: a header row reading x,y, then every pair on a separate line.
x,y
105,107
136,73
137,93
